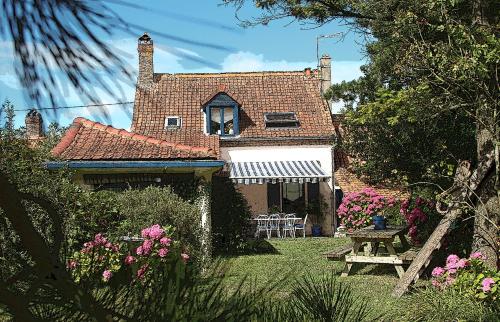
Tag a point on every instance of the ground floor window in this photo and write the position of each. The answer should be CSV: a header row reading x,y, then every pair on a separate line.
x,y
291,197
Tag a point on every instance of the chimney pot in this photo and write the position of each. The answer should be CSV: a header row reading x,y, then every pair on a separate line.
x,y
34,125
146,70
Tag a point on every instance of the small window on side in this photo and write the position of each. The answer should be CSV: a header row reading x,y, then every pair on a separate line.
x,y
172,122
281,120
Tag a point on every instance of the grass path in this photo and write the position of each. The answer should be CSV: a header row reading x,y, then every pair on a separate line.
x,y
297,257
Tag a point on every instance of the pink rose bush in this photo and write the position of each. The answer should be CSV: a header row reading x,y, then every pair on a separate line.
x,y
358,208
421,218
469,276
104,259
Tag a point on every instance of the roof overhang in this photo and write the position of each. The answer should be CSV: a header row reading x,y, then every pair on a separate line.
x,y
129,165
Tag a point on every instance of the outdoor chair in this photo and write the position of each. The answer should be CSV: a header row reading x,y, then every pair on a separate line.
x,y
289,225
274,225
301,227
262,225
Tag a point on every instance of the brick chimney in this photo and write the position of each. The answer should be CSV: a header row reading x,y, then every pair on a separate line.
x,y
146,70
325,66
34,126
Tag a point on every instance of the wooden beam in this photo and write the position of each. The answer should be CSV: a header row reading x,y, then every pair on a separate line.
x,y
373,259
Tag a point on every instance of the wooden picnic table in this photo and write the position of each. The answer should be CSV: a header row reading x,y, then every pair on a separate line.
x,y
372,238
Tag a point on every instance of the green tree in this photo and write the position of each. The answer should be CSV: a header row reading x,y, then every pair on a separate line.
x,y
427,59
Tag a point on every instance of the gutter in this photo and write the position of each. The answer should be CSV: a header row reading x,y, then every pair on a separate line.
x,y
290,138
53,165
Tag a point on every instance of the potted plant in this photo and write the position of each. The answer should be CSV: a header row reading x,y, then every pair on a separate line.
x,y
316,210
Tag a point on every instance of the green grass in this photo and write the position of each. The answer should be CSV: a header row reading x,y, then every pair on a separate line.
x,y
297,257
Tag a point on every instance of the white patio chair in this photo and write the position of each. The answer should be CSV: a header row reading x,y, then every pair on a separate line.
x,y
301,227
289,225
262,225
274,225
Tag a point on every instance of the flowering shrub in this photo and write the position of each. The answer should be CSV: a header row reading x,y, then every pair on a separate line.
x,y
101,258
421,217
98,255
357,208
468,276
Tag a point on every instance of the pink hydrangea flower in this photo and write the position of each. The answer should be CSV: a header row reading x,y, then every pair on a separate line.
x,y
162,252
185,257
145,232
462,263
107,275
129,260
156,232
437,271
72,264
139,251
165,241
147,245
141,271
476,255
356,208
436,283
486,284
99,239
452,259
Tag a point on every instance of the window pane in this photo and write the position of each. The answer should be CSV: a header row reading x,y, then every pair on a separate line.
x,y
172,121
293,197
228,120
215,120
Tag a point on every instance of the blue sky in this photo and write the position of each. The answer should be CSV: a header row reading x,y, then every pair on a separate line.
x,y
277,46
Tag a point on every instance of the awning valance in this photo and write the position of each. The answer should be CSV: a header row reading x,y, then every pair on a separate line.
x,y
261,172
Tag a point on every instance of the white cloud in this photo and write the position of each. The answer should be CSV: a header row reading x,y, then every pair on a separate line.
x,y
167,60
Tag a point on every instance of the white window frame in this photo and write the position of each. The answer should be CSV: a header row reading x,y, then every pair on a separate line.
x,y
171,127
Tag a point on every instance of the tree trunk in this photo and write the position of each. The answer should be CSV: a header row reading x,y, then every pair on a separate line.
x,y
487,212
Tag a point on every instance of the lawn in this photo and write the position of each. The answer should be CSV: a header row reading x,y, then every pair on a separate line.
x,y
297,257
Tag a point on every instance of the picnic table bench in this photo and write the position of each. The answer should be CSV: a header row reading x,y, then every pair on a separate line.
x,y
368,240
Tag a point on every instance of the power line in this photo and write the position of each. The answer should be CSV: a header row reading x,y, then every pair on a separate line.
x,y
73,106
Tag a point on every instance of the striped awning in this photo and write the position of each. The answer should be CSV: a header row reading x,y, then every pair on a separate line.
x,y
261,172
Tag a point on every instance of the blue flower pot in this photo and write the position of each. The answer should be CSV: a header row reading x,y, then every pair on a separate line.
x,y
316,230
379,222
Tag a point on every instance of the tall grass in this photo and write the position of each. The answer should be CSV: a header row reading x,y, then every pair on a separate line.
x,y
430,304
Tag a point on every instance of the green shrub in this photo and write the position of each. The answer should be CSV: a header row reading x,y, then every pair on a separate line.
x,y
153,205
432,305
230,217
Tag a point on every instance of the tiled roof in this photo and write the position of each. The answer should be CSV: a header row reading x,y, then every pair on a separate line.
x,y
88,140
349,182
257,92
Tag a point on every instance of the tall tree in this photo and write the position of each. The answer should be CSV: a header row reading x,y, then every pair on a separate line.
x,y
427,59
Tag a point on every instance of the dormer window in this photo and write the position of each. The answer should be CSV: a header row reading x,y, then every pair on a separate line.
x,y
281,120
172,122
222,115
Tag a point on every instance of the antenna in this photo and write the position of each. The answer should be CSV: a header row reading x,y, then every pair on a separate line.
x,y
335,35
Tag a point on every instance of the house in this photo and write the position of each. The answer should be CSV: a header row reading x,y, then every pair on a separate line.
x,y
270,132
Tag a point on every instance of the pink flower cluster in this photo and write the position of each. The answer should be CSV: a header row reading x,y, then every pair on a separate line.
x,y
155,243
415,217
99,241
446,276
357,208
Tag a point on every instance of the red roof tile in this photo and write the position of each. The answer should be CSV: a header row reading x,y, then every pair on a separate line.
x,y
257,92
88,140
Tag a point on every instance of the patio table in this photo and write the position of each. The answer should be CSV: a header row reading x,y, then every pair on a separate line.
x,y
281,220
373,238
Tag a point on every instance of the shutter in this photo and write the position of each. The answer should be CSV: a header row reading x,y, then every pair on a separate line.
x,y
312,191
339,195
273,195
